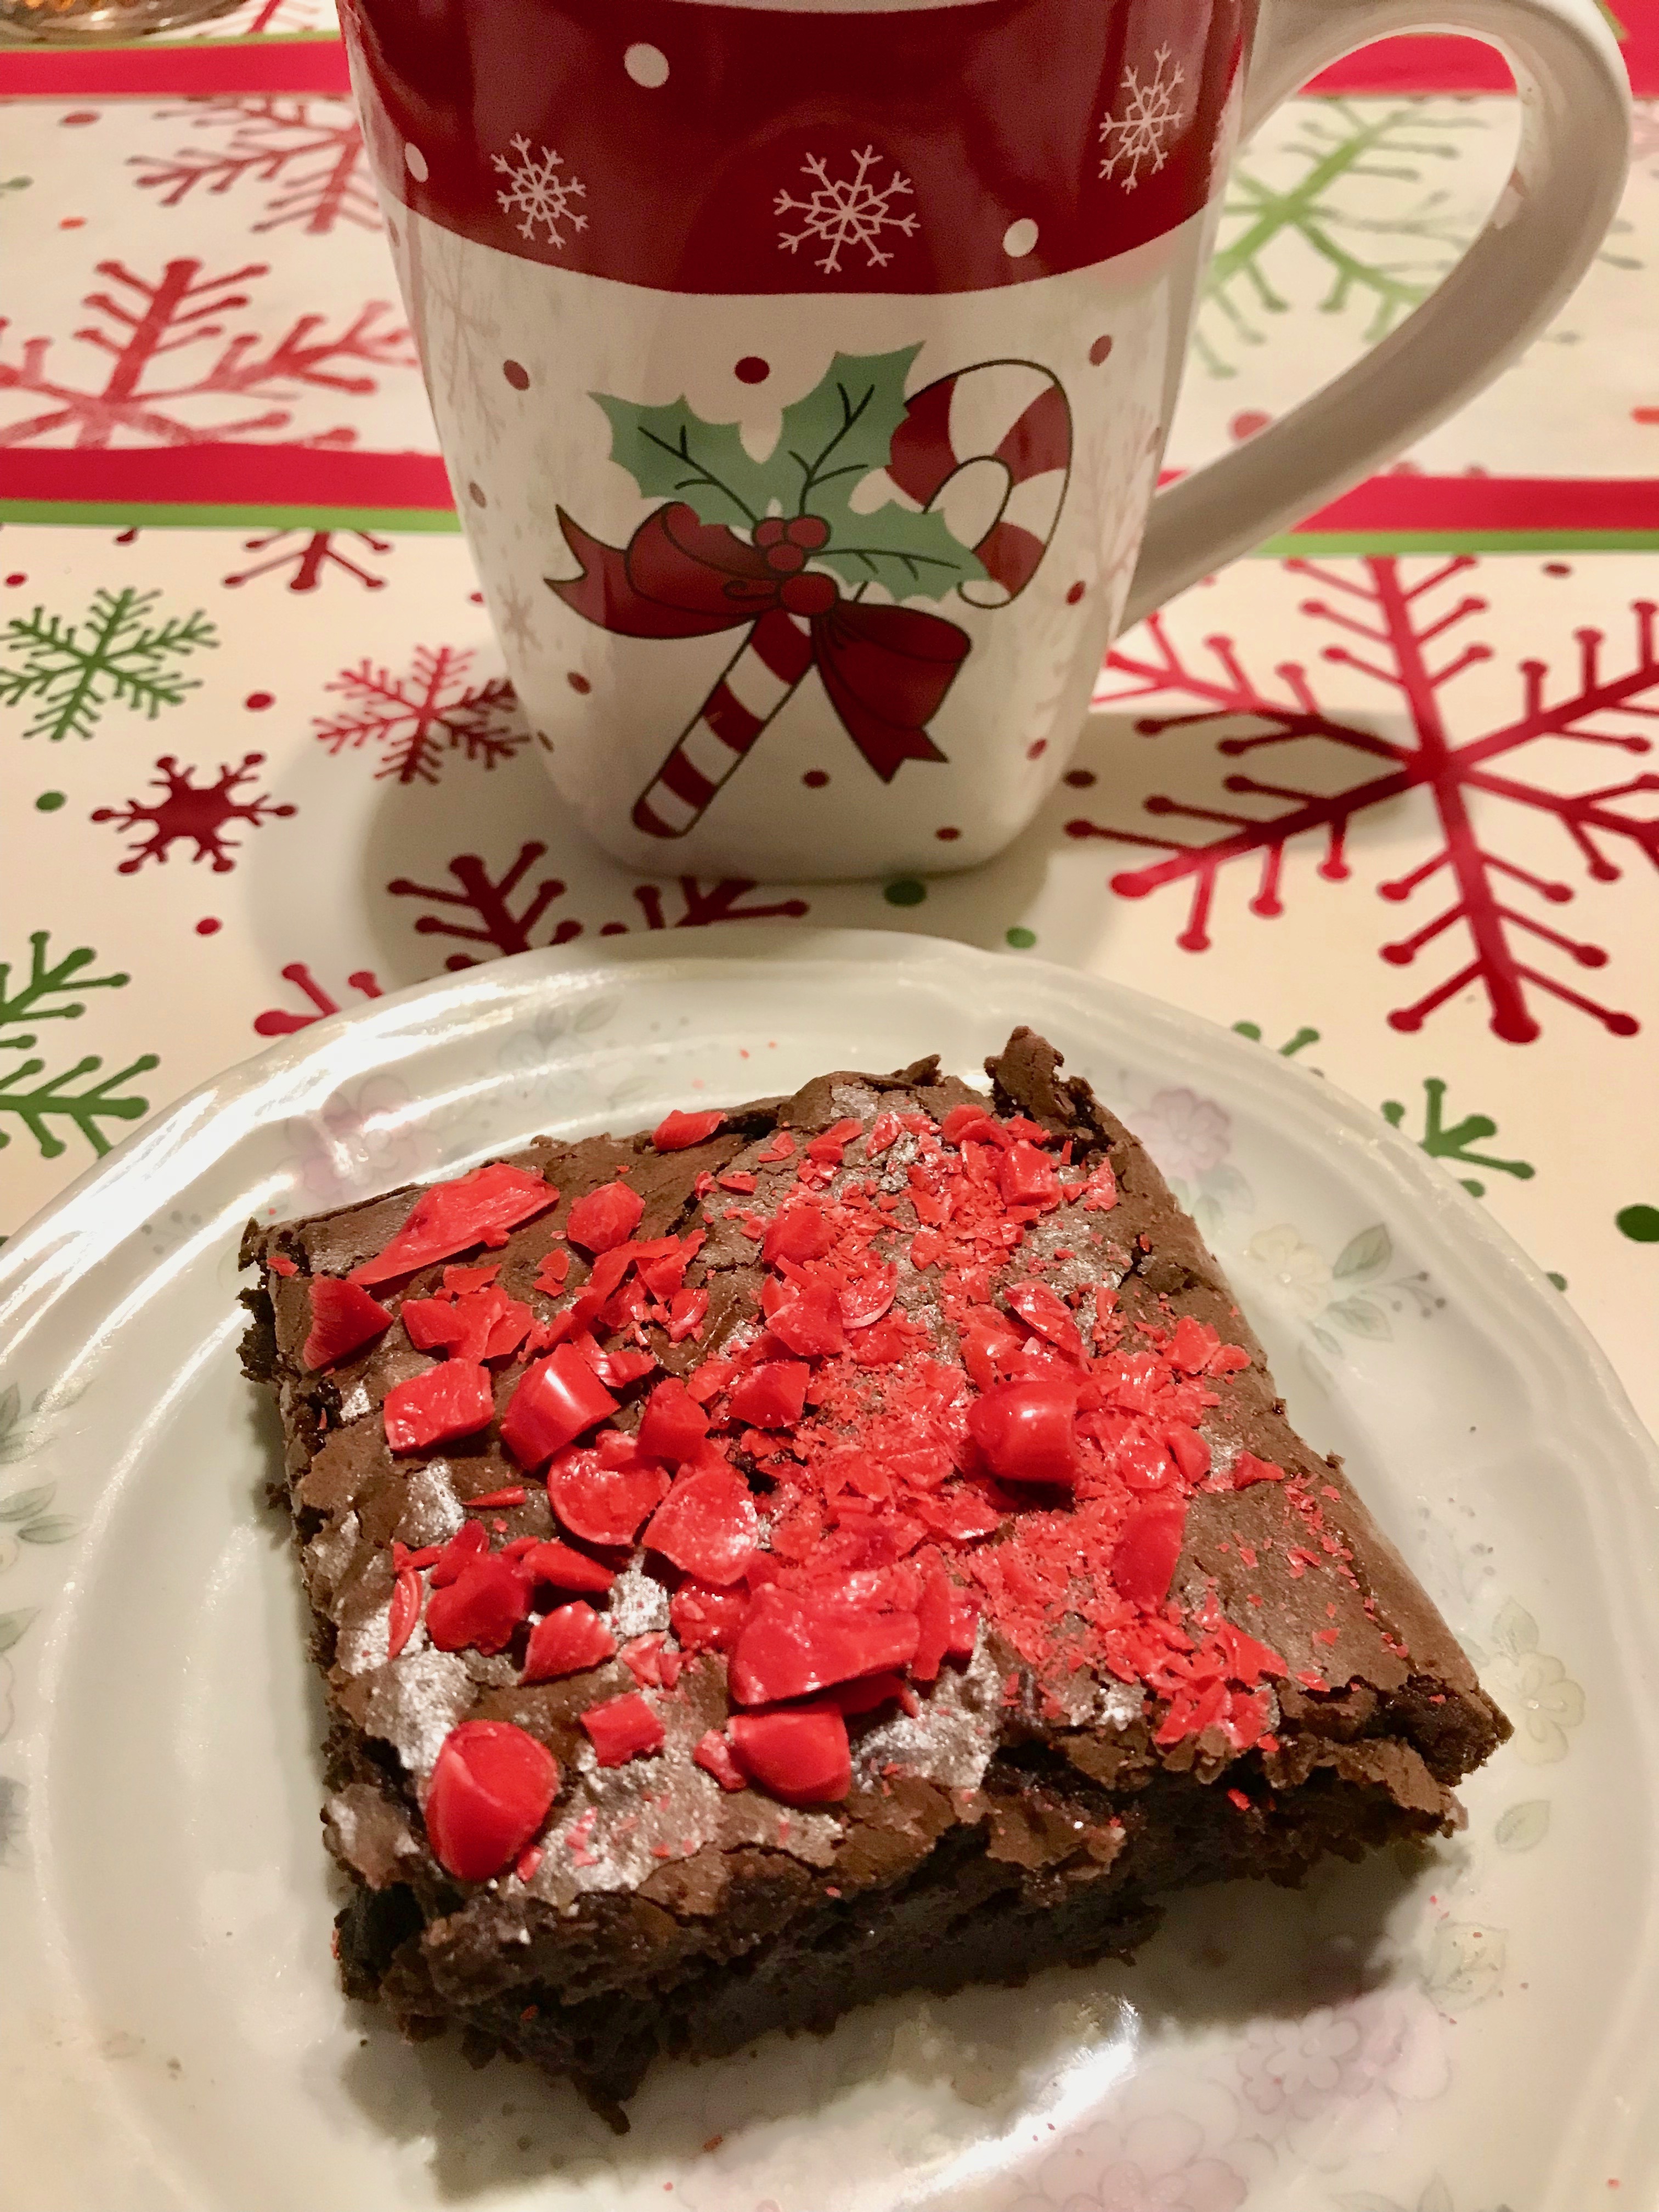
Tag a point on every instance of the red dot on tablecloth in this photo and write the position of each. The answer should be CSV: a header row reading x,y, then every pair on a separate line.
x,y
77,115
947,835
613,929
476,597
1099,350
208,926
1557,569
1246,424
1079,778
258,700
475,493
16,578
1036,750
71,222
751,369
1075,594
815,779
579,683
516,375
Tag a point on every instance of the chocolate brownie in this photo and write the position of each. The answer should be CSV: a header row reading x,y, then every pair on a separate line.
x,y
843,1543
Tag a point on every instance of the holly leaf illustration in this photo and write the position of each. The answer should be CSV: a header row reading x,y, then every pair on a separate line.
x,y
912,555
842,430
671,452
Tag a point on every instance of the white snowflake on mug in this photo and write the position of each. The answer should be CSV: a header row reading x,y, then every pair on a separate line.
x,y
538,192
1138,139
846,211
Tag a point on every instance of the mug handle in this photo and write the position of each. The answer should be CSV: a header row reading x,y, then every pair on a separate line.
x,y
1539,239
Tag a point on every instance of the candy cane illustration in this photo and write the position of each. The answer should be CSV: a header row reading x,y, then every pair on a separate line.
x,y
886,668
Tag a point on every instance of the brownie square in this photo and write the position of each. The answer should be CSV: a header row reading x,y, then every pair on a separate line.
x,y
842,1544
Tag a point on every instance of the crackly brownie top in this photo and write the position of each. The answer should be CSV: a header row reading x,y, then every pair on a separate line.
x,y
753,1482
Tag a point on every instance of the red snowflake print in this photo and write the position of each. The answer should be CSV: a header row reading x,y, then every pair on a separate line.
x,y
277,1021
315,553
417,720
701,904
1398,629
499,913
201,813
144,325
311,150
481,910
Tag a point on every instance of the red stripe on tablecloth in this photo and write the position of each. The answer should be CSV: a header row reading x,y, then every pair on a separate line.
x,y
259,476
227,476
202,65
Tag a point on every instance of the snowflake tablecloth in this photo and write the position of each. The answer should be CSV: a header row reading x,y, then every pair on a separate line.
x,y
1380,797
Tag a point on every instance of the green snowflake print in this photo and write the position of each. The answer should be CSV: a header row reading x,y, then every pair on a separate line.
x,y
1393,259
831,441
1444,1142
52,1107
70,671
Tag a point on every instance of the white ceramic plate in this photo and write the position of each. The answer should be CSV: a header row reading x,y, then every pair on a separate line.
x,y
1457,2034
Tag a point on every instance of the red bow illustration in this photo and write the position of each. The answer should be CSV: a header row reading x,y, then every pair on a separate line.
x,y
885,669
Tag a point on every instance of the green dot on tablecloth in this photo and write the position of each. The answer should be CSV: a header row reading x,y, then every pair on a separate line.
x,y
907,891
1640,1223
1021,939
49,802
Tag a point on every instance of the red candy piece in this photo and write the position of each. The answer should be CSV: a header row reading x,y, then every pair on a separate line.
x,y
447,1401
469,1543
771,1395
605,1217
687,1310
480,1209
678,1132
1193,1345
279,1264
553,1271
622,1728
405,1611
714,1754
868,1299
808,1320
673,1426
490,1791
866,1693
566,1642
1147,1550
797,1232
962,1515
1189,1451
565,1569
601,1504
1248,1468
558,1398
1026,1176
785,1649
1025,1430
707,1619
344,1317
480,1609
934,1611
707,1525
1047,1313
971,1125
802,1757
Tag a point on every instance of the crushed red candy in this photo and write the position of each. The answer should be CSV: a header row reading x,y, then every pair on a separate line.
x,y
1248,1469
344,1318
565,1569
708,1524
788,1648
1027,1430
279,1264
678,1132
492,1787
673,1426
802,1756
405,1610
604,1496
771,1395
706,1620
1145,1559
687,1312
468,1542
556,1400
566,1641
605,1218
481,1208
482,1608
622,1728
492,1500
451,1400
714,1754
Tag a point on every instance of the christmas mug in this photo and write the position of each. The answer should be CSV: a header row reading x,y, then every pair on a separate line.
x,y
803,370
